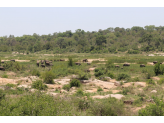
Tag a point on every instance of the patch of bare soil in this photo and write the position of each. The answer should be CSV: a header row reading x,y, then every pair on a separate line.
x,y
101,63
136,109
141,84
91,69
18,60
125,63
155,78
11,73
117,96
100,59
48,54
115,91
150,63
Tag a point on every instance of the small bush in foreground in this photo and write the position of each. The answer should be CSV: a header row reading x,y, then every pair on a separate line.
x,y
99,89
123,76
39,85
150,81
4,76
35,72
70,62
49,76
66,87
161,81
75,83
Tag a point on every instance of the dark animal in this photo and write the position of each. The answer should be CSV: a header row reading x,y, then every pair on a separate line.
x,y
128,102
142,65
37,63
85,60
118,66
77,63
155,62
42,65
126,64
88,63
161,62
2,68
62,60
87,70
2,61
42,61
12,60
47,63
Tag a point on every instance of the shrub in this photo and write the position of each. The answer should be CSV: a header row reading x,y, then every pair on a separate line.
x,y
161,81
66,87
79,92
107,107
49,76
83,76
70,62
10,85
99,89
75,83
99,73
156,109
2,95
109,64
83,104
4,76
157,68
150,81
111,75
12,66
35,72
136,79
123,76
125,91
38,84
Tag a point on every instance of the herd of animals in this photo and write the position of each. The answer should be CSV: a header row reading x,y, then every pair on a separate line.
x,y
45,63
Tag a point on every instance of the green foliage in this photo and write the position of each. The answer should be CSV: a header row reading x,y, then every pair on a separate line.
x,y
2,95
10,85
109,64
79,92
107,107
70,62
100,39
67,87
157,69
35,72
150,81
83,104
136,79
12,66
99,89
83,76
38,84
48,78
133,51
156,109
123,76
4,76
75,83
111,75
161,81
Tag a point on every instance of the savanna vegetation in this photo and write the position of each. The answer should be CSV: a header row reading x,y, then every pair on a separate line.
x,y
71,89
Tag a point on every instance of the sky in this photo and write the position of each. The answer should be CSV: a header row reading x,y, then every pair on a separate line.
x,y
20,21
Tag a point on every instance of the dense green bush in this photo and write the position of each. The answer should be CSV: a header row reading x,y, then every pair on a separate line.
x,y
133,51
111,75
79,92
161,81
107,107
157,69
150,81
4,76
12,66
66,87
83,76
48,78
35,72
75,83
123,76
156,109
70,62
38,84
109,65
99,89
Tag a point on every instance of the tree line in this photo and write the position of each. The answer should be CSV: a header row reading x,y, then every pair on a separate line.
x,y
111,40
